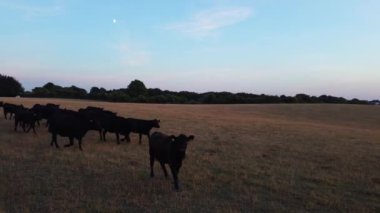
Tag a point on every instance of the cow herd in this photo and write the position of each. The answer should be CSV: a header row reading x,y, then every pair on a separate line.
x,y
166,149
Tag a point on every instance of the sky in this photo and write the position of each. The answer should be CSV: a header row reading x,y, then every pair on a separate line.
x,y
269,47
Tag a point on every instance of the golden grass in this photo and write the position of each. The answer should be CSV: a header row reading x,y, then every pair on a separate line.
x,y
244,158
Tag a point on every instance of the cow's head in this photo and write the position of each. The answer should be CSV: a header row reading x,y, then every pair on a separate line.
x,y
181,141
156,123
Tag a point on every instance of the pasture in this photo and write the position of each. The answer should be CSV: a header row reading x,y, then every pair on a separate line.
x,y
248,158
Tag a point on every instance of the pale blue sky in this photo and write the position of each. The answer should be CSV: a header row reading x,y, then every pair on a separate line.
x,y
257,46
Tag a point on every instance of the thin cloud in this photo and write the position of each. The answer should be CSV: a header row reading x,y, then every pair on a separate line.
x,y
32,10
208,21
133,56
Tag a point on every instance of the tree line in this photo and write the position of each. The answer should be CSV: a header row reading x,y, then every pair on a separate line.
x,y
136,91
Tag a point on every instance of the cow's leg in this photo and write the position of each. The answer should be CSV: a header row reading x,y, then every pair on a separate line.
x,y
71,142
164,169
151,165
80,144
175,176
16,124
52,140
32,126
117,138
104,135
5,115
127,137
34,130
24,126
55,140
100,134
148,135
140,138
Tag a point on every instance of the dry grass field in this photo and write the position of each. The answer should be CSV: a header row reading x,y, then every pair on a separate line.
x,y
245,158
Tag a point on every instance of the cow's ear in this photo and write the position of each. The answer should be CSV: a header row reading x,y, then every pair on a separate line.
x,y
191,137
172,138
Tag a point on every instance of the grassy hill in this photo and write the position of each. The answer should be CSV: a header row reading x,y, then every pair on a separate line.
x,y
244,158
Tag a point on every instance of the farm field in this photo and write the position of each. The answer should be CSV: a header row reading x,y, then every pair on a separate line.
x,y
249,158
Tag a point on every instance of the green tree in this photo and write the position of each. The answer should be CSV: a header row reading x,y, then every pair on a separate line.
x,y
94,90
303,98
137,88
9,86
50,86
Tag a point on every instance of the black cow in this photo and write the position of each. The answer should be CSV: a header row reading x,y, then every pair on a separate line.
x,y
37,109
108,122
94,108
26,117
69,124
97,114
52,105
45,111
142,127
114,124
168,150
11,109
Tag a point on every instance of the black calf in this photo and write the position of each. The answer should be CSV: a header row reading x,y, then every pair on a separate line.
x,y
45,111
69,124
26,118
168,150
142,127
11,109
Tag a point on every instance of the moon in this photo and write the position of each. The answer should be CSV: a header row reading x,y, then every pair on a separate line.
x,y
114,21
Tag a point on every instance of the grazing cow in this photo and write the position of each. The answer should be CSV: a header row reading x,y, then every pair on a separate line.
x,y
168,150
142,127
26,117
11,109
69,124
